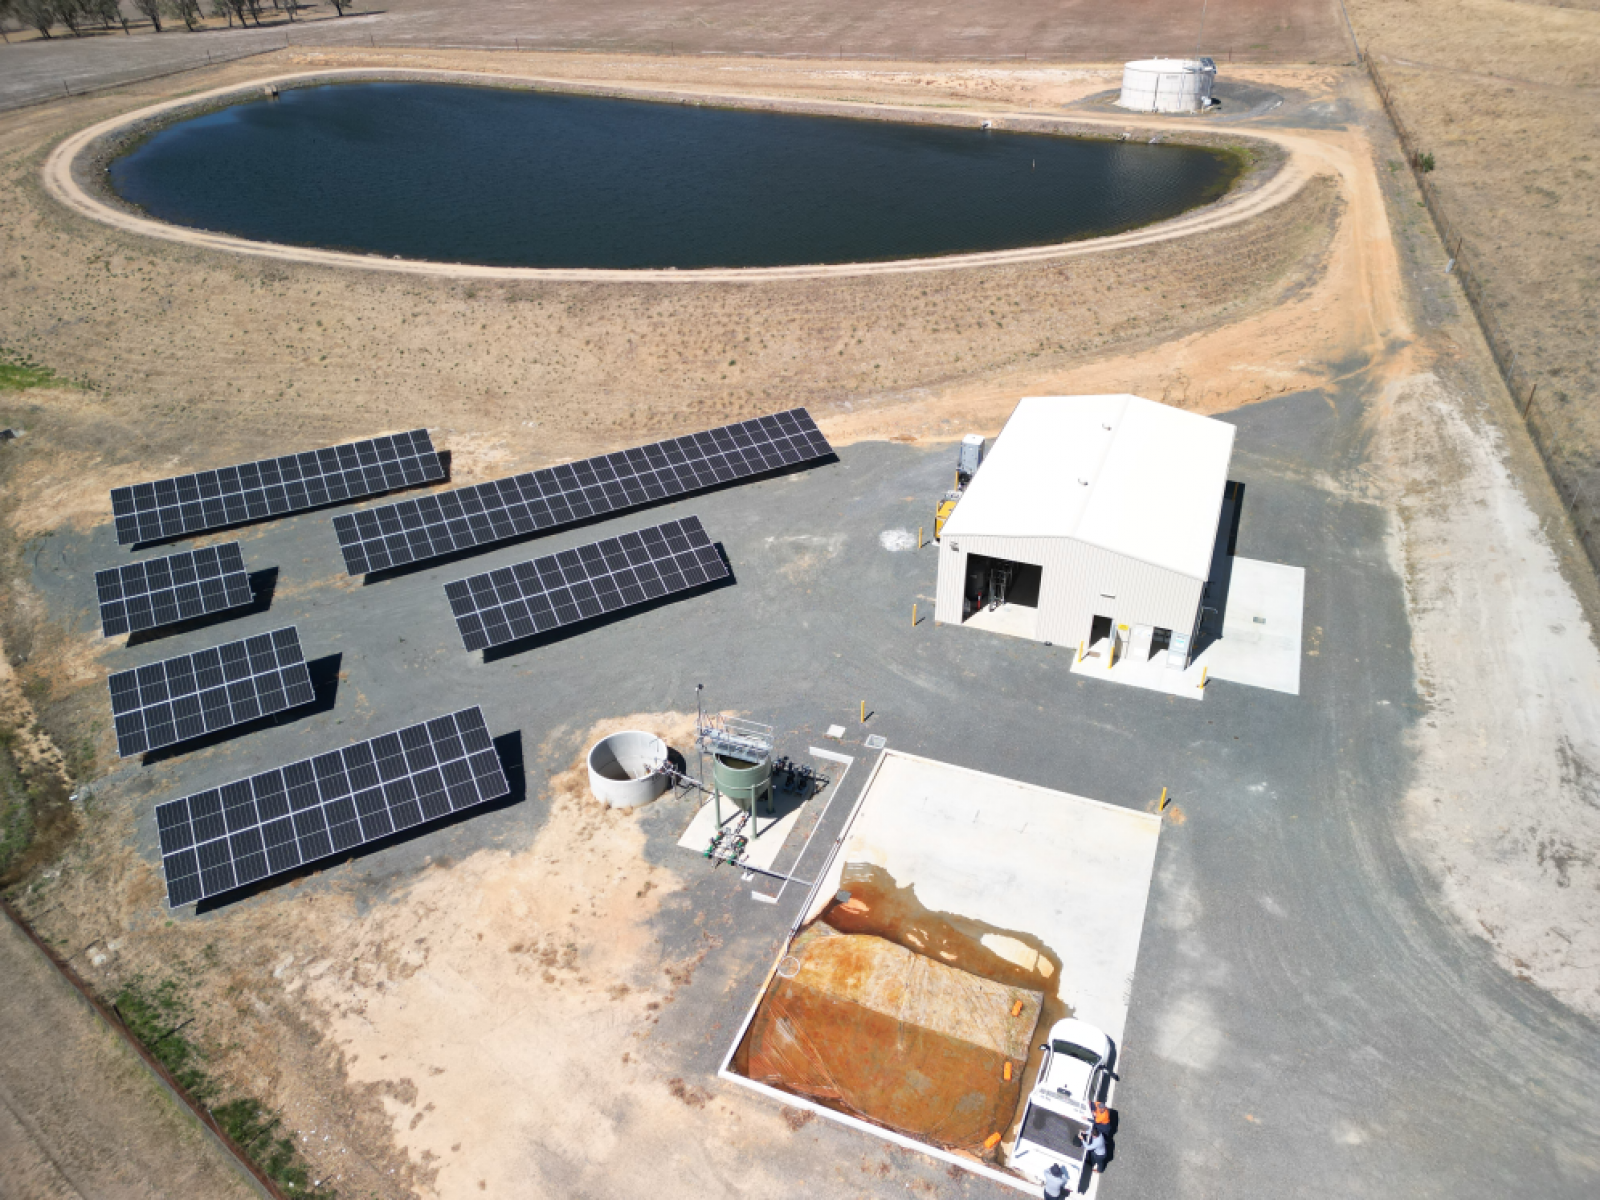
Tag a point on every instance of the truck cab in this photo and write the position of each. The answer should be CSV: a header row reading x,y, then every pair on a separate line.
x,y
1072,1075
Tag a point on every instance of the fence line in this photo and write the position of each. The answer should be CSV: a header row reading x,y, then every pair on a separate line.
x,y
114,1021
213,59
1524,388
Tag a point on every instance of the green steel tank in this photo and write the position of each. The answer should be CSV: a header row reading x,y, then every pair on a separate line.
x,y
746,783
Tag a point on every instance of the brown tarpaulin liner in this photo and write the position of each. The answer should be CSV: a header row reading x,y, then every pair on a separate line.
x,y
875,1030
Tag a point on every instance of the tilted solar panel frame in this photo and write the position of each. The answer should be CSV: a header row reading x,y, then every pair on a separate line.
x,y
189,695
226,837
162,591
409,531
271,487
511,603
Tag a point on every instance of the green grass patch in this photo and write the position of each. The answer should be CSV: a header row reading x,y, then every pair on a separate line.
x,y
18,373
16,811
158,1015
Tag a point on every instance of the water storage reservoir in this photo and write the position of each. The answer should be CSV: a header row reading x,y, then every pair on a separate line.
x,y
1167,84
505,177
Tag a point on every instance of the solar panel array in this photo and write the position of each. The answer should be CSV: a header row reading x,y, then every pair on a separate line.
x,y
603,577
193,694
217,840
414,530
159,591
270,487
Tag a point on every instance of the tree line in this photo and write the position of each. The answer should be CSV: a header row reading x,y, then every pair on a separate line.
x,y
79,16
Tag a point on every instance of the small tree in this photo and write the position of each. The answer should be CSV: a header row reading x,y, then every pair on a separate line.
x,y
340,5
151,11
1425,162
7,9
41,14
74,14
221,8
108,13
187,11
254,9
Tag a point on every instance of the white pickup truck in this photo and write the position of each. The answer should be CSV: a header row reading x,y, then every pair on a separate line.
x,y
1072,1076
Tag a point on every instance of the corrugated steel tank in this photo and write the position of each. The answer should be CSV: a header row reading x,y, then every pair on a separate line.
x,y
1167,84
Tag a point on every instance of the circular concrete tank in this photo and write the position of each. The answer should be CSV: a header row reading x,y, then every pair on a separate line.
x,y
622,768
1167,84
742,781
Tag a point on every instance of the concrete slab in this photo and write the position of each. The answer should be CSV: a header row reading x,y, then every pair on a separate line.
x,y
1068,875
1152,674
1072,872
767,836
1013,620
1261,628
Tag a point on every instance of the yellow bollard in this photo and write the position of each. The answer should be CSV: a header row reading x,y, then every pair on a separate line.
x,y
1162,807
863,712
919,537
913,614
1202,682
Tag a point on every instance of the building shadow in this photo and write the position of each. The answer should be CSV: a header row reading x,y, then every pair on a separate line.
x,y
1214,599
455,556
324,674
262,586
590,624
508,746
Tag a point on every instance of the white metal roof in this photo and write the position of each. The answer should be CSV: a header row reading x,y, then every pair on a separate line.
x,y
1119,472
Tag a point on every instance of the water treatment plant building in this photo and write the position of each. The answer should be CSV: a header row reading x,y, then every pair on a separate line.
x,y
1093,517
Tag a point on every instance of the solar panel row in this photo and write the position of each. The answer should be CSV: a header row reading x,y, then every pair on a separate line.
x,y
270,487
160,591
415,530
194,694
562,589
223,838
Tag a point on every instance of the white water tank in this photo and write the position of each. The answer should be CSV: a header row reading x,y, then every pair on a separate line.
x,y
623,768
1167,84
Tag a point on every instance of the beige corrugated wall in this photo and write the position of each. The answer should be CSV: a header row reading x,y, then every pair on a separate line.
x,y
1075,576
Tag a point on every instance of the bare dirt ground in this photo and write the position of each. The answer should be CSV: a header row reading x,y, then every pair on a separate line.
x,y
1503,94
320,1001
80,1115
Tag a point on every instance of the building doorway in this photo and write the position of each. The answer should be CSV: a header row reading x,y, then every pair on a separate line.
x,y
1002,595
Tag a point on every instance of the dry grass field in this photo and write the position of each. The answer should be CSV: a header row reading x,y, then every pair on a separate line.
x,y
1504,95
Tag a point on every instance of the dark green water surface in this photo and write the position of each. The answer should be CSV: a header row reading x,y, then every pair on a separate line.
x,y
513,178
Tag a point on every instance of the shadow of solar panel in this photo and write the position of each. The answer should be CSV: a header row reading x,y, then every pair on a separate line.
x,y
271,487
179,587
227,837
608,576
409,531
194,694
